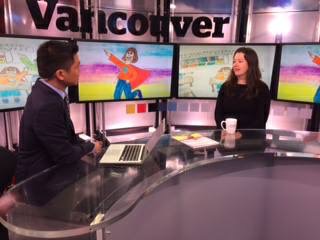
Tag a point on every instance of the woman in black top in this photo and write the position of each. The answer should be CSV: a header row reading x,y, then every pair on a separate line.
x,y
244,95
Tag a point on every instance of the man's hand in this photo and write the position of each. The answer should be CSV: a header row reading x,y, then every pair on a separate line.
x,y
7,202
97,147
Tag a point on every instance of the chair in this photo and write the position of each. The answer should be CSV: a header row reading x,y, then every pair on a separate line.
x,y
8,162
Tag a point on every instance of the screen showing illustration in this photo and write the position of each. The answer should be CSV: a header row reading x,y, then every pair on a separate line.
x,y
299,77
204,68
124,71
18,70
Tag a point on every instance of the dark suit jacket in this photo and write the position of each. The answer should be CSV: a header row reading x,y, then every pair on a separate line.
x,y
47,134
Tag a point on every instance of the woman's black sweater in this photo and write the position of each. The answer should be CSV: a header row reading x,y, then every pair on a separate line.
x,y
252,113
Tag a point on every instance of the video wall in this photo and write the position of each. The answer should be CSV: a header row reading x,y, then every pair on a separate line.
x,y
18,70
116,71
204,68
112,71
299,77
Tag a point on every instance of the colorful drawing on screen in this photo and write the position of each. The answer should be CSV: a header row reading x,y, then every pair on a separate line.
x,y
316,59
203,69
130,77
299,77
121,71
18,70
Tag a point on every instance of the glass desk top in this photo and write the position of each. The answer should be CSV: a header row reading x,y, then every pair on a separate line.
x,y
253,183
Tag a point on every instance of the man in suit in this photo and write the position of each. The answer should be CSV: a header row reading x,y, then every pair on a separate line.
x,y
47,135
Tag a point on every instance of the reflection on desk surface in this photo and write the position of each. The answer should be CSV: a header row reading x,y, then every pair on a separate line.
x,y
70,196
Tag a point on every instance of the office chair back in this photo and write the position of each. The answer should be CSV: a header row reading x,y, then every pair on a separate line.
x,y
8,162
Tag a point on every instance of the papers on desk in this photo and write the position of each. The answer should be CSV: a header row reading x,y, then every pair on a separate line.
x,y
85,137
97,219
196,141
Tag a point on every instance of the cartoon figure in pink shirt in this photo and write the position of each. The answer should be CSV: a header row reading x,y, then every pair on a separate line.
x,y
130,77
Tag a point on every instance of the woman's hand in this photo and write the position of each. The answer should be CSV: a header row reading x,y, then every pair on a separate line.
x,y
107,53
224,134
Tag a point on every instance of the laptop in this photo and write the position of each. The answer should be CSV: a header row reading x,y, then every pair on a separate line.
x,y
129,153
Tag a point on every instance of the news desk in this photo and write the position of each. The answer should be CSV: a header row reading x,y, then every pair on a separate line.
x,y
262,185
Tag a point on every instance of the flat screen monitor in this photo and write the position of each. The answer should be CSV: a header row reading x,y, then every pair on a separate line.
x,y
204,68
18,70
114,71
299,74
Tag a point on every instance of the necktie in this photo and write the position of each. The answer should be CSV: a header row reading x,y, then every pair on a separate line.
x,y
66,102
67,109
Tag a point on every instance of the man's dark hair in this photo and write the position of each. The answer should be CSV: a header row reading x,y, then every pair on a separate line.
x,y
53,55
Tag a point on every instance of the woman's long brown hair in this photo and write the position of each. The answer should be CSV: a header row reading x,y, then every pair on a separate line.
x,y
253,74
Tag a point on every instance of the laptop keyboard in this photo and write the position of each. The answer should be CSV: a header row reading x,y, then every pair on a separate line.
x,y
131,153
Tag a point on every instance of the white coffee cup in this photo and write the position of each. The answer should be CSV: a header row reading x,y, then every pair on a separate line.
x,y
231,125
